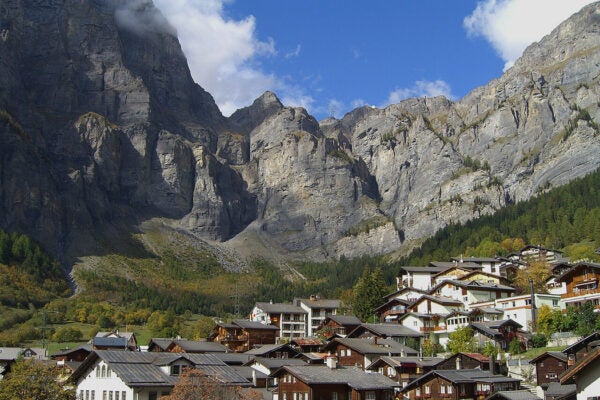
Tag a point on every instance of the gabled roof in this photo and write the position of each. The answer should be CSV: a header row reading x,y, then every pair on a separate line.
x,y
275,363
468,276
280,308
247,324
116,342
137,369
398,362
480,358
490,328
459,376
405,289
474,285
475,259
85,348
386,330
354,377
554,354
582,343
392,303
575,268
233,358
422,270
318,303
161,343
555,389
345,319
580,366
10,353
369,346
451,264
445,301
269,348
197,346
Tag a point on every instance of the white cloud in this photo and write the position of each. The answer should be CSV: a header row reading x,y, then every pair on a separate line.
x,y
421,89
511,25
295,53
222,53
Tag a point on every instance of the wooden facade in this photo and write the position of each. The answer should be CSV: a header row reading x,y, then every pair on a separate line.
x,y
347,356
465,361
240,338
549,366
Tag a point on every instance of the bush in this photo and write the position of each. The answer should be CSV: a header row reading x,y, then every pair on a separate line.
x,y
67,334
539,340
514,347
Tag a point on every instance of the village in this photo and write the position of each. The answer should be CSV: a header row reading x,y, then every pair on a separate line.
x,y
307,349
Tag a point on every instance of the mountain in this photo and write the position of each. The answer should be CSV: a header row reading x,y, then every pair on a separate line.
x,y
105,138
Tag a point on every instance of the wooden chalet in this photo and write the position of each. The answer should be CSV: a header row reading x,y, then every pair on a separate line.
x,y
363,352
549,366
273,351
581,284
315,382
243,335
580,349
458,384
465,361
339,325
404,369
500,332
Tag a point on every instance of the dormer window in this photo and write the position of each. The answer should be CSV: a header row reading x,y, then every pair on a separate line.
x,y
175,369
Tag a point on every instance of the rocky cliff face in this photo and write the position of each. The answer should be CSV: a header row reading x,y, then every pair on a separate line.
x,y
101,124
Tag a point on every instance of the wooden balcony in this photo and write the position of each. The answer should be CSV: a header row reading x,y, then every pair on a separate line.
x,y
581,292
432,329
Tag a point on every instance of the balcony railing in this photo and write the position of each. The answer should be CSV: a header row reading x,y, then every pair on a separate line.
x,y
235,338
581,292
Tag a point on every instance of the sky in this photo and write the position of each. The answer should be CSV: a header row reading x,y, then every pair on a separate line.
x,y
331,56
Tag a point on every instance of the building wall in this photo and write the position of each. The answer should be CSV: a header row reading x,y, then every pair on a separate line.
x,y
349,357
588,381
94,385
548,370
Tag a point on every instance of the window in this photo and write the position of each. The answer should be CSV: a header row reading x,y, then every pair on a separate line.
x,y
442,389
152,396
348,352
175,369
427,390
418,392
284,396
370,395
110,395
334,396
104,395
551,375
104,371
123,395
81,394
342,353
87,395
117,395
295,396
108,372
449,389
94,395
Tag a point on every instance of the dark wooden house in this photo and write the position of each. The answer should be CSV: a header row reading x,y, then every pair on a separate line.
x,y
243,335
549,366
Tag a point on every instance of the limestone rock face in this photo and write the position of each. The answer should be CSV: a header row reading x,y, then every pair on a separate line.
x,y
101,123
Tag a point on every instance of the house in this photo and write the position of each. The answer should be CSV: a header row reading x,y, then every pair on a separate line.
x,y
581,284
403,369
460,361
267,366
395,332
307,345
363,352
472,292
273,351
417,277
339,325
115,340
458,384
585,374
317,310
289,318
500,332
242,335
533,252
314,382
128,375
549,366
390,310
78,354
488,264
580,349
159,344
518,308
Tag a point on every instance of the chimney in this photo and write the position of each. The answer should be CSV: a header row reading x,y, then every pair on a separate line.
x,y
331,361
458,362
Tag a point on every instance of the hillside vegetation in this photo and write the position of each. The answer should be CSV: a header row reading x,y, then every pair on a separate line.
x,y
172,279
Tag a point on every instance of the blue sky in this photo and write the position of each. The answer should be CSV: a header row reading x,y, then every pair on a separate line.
x,y
331,56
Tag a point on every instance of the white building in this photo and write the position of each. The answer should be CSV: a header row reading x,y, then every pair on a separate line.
x,y
290,319
128,375
317,310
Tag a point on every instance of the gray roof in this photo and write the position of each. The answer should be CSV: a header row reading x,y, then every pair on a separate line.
x,y
276,363
109,341
476,285
490,310
366,346
438,299
138,369
556,389
514,395
247,324
388,330
280,308
200,346
451,264
474,259
233,358
249,372
345,319
490,328
10,353
406,361
162,343
459,376
63,352
267,348
424,270
354,377
319,303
